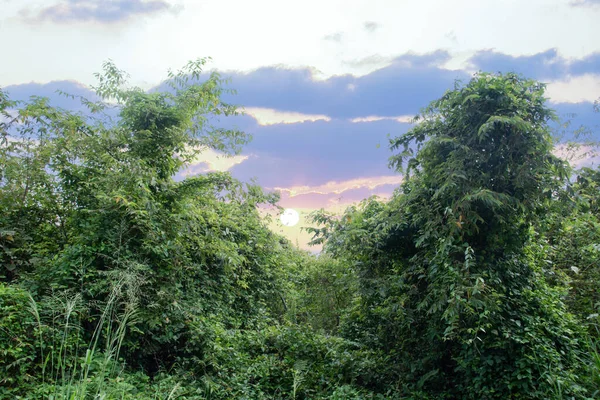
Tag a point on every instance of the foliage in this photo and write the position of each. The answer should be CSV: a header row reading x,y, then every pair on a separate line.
x,y
17,340
121,278
318,292
88,201
56,359
449,283
571,234
285,362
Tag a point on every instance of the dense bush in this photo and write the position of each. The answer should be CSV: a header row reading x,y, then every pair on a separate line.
x,y
318,291
17,339
573,239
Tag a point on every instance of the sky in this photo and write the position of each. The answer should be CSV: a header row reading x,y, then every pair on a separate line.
x,y
323,83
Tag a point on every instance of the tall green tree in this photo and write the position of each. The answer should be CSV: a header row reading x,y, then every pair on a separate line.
x,y
451,281
89,200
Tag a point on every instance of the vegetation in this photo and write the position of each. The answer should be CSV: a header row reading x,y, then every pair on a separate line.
x,y
477,280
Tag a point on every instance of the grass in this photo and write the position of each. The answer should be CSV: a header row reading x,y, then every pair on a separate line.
x,y
74,370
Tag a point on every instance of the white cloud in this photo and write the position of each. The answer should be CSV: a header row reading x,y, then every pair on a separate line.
x,y
272,32
211,161
405,119
269,116
575,89
338,187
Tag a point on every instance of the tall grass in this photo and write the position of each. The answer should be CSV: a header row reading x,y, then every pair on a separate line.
x,y
70,368
298,373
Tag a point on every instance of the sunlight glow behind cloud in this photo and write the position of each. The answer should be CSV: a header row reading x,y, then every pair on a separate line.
x,y
270,116
334,187
211,161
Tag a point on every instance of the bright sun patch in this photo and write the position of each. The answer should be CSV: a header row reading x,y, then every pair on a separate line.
x,y
290,217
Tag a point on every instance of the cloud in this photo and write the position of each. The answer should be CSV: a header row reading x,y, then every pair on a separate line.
x,y
50,90
269,116
585,65
584,3
374,60
585,88
342,186
404,119
314,153
345,120
334,37
103,11
403,87
317,201
283,154
579,114
211,161
371,26
546,65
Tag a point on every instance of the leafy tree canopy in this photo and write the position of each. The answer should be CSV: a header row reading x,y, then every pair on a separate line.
x,y
450,282
91,201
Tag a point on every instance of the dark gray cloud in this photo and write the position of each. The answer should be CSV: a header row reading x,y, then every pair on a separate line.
x,y
371,26
547,65
104,11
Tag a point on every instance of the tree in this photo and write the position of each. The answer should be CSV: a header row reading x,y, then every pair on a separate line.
x,y
90,200
450,278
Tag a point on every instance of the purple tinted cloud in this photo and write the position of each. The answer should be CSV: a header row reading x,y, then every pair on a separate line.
x,y
403,87
547,65
583,3
313,153
104,11
589,64
50,90
408,83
